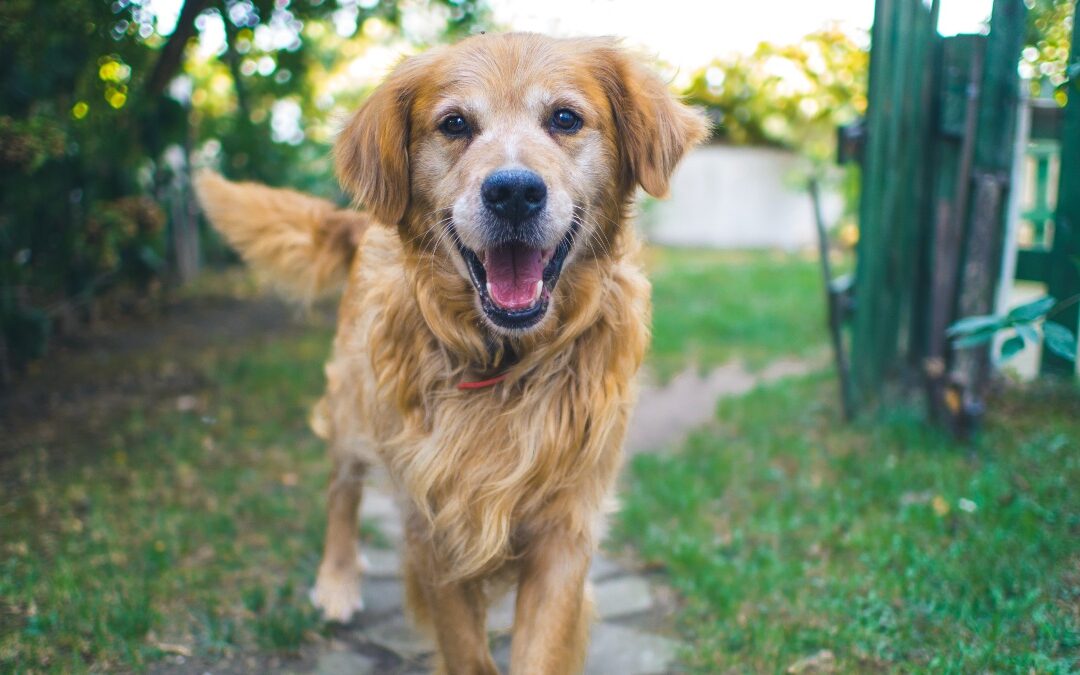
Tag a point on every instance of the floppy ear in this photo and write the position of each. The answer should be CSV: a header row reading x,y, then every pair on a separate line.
x,y
372,151
655,129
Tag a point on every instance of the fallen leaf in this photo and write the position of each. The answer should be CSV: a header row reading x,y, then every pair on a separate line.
x,y
186,403
822,662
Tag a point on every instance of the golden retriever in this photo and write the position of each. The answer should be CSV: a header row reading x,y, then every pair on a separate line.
x,y
493,319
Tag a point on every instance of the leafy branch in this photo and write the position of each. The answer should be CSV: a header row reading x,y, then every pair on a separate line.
x,y
1026,322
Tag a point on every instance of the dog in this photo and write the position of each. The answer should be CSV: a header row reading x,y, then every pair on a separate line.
x,y
493,320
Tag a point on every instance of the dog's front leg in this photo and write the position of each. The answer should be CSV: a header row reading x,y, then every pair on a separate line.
x,y
551,619
455,610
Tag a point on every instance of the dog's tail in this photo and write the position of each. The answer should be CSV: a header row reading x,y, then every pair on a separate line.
x,y
302,244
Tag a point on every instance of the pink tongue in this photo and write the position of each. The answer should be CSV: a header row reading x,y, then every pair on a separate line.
x,y
512,273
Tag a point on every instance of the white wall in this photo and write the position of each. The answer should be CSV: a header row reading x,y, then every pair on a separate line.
x,y
736,197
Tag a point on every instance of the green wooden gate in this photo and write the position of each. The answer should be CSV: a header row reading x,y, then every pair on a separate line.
x,y
936,168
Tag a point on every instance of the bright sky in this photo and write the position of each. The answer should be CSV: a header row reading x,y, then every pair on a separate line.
x,y
690,33
686,33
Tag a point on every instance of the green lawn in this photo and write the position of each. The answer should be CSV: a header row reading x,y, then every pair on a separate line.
x,y
713,306
884,543
192,521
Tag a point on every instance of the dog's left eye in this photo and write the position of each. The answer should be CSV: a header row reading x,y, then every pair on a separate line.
x,y
566,121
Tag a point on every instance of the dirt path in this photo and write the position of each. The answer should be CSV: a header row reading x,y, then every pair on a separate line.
x,y
665,415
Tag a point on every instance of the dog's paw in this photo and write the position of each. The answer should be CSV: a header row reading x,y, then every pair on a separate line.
x,y
337,596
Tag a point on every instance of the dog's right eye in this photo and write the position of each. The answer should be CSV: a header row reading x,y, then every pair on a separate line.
x,y
454,125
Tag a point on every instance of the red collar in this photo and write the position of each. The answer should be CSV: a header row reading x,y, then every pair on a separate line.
x,y
482,384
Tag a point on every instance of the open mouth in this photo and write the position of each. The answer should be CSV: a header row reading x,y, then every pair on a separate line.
x,y
514,280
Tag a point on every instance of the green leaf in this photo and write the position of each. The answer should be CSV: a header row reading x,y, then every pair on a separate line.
x,y
973,324
1028,332
1060,340
151,259
973,340
1031,310
1011,347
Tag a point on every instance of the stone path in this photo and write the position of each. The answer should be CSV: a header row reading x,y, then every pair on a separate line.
x,y
633,634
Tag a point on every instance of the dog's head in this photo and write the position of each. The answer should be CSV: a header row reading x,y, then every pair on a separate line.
x,y
514,156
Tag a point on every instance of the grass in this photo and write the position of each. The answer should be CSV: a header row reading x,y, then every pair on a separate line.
x,y
713,306
194,524
883,543
195,520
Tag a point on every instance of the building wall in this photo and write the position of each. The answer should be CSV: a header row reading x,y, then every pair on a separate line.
x,y
736,197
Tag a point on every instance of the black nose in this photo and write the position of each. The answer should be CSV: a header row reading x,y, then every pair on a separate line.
x,y
514,194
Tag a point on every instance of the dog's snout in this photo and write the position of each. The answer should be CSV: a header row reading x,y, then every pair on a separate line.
x,y
514,194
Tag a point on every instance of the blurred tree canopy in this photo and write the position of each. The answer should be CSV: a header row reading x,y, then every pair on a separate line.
x,y
1048,39
793,96
102,102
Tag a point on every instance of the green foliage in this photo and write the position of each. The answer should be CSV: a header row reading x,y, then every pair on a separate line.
x,y
1048,39
790,533
793,96
973,331
90,126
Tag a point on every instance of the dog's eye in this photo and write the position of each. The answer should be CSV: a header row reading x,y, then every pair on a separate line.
x,y
566,121
454,125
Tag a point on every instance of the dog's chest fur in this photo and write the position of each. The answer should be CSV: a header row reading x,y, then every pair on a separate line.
x,y
484,466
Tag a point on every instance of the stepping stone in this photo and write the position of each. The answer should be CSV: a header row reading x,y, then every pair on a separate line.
x,y
500,651
381,563
604,567
398,635
622,596
379,505
344,663
617,649
615,598
391,528
500,617
381,596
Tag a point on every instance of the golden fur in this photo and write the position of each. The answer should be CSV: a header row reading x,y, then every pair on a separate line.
x,y
513,479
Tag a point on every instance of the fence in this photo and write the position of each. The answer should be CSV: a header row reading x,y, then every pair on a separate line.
x,y
936,169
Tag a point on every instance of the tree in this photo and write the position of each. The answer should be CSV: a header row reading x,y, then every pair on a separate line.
x,y
793,96
95,124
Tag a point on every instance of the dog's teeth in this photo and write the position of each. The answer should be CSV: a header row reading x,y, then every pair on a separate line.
x,y
539,289
489,289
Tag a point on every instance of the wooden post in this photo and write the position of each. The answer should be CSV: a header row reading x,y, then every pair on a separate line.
x,y
185,211
893,190
962,62
838,298
985,213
